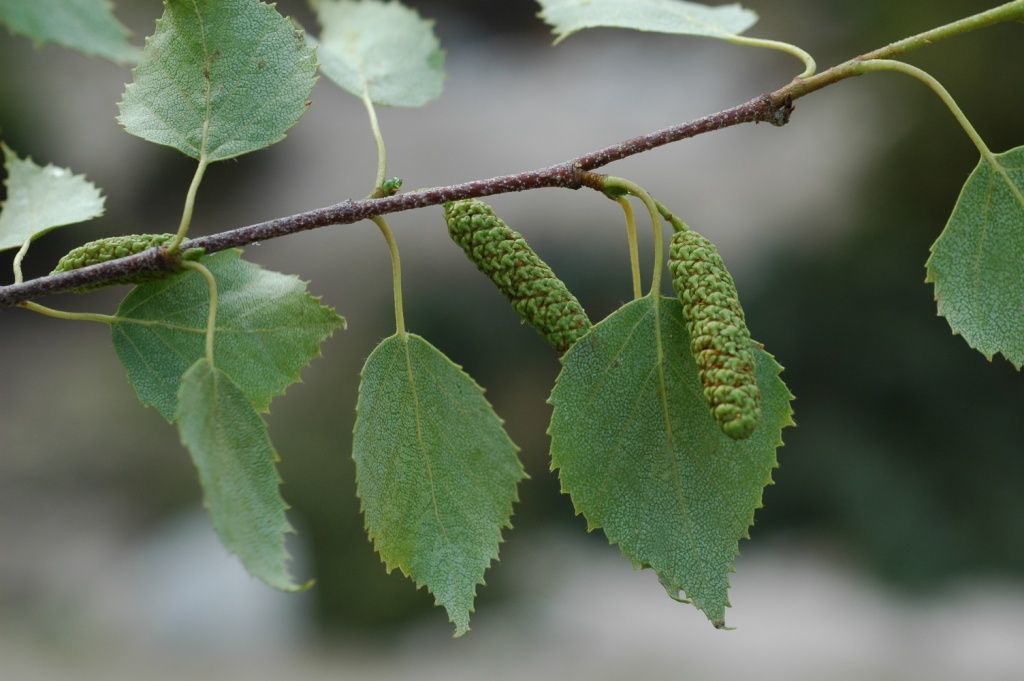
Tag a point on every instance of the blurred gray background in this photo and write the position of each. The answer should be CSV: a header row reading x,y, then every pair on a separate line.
x,y
891,546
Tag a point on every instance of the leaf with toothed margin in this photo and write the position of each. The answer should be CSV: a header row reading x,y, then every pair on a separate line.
x,y
641,457
977,263
219,78
87,26
383,49
268,328
40,199
435,471
660,16
231,449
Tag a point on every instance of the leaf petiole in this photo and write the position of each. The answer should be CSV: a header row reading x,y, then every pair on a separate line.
x,y
18,258
378,191
70,316
875,65
378,137
396,274
810,66
190,202
211,322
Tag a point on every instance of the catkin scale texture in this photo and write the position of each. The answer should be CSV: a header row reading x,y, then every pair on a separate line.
x,y
719,339
539,297
112,248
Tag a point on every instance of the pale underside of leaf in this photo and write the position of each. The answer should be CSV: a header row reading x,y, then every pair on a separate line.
x,y
977,263
660,16
435,471
219,78
43,198
642,458
87,26
268,329
381,49
236,461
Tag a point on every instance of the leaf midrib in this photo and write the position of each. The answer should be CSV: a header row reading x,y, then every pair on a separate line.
x,y
421,445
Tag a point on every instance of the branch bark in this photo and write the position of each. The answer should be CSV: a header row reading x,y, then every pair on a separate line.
x,y
774,107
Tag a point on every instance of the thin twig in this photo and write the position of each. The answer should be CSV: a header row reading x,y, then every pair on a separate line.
x,y
774,107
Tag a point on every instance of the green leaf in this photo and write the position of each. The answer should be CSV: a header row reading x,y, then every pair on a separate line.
x,y
219,78
435,471
41,199
381,48
638,451
230,447
661,16
268,329
977,263
88,26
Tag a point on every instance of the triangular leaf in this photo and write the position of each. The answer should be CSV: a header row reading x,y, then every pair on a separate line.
x,y
88,26
219,78
435,470
977,263
41,199
661,16
641,456
230,447
268,329
382,48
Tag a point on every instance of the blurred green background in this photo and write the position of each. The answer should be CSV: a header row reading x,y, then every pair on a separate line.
x,y
906,464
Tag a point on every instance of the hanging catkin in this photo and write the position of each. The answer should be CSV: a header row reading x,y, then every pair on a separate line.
x,y
539,297
719,339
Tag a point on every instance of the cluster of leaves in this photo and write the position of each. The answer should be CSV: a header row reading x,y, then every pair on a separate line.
x,y
631,434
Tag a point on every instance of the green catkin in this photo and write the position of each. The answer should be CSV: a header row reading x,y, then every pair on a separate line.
x,y
112,248
719,339
539,297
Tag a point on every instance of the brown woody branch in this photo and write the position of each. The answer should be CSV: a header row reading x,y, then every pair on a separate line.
x,y
774,107
567,174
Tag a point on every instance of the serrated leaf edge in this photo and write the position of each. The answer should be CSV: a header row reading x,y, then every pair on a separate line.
x,y
786,422
297,31
561,35
390,567
293,586
10,155
932,276
296,379
439,51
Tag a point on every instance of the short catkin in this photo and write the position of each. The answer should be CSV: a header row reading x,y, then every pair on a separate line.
x,y
539,297
112,248
719,339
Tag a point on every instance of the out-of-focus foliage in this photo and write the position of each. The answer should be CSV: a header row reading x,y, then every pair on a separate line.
x,y
88,26
384,51
40,199
662,16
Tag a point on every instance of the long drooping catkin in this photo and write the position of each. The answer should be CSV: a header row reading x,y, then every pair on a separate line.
x,y
539,297
719,339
